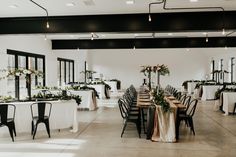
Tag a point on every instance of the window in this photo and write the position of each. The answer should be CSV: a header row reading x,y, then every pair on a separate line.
x,y
221,69
18,86
65,71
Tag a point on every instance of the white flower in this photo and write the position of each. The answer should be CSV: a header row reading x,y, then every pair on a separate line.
x,y
17,74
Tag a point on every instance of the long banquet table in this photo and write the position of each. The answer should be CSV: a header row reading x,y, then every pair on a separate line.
x,y
166,127
63,115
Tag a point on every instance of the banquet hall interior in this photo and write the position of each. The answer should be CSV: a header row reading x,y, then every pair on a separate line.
x,y
117,78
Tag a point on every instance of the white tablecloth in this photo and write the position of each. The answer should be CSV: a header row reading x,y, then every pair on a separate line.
x,y
229,99
113,85
63,115
191,87
208,91
100,88
88,100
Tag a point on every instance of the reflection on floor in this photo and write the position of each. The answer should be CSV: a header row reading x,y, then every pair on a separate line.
x,y
99,136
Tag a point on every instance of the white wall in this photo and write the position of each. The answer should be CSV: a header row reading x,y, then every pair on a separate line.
x,y
125,64
37,44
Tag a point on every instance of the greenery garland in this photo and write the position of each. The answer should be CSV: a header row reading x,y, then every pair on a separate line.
x,y
158,99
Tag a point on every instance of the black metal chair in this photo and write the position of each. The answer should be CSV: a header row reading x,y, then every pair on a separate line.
x,y
234,108
41,112
7,116
188,115
129,117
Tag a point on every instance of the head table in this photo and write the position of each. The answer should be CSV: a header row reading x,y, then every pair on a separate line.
x,y
63,115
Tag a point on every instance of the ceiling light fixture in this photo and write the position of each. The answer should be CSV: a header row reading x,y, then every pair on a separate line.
x,y
47,23
92,36
193,0
78,49
149,18
170,34
130,2
206,38
70,4
223,31
14,6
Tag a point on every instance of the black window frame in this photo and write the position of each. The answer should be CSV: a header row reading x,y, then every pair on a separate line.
x,y
213,69
60,60
17,53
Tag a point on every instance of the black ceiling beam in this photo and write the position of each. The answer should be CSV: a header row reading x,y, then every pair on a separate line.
x,y
145,43
161,22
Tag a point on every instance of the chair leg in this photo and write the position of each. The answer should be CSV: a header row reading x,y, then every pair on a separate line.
x,y
46,122
35,130
32,127
191,125
123,130
234,108
14,128
138,128
10,128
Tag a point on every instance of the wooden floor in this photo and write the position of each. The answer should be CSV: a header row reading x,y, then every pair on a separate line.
x,y
99,136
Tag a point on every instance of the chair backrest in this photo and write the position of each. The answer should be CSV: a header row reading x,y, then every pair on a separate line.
x,y
182,98
192,107
7,111
123,109
178,95
187,100
41,109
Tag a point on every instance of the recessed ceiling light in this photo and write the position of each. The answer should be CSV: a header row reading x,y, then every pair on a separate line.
x,y
130,2
70,4
13,6
170,33
193,0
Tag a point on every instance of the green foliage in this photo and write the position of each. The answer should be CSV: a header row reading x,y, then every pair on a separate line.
x,y
158,98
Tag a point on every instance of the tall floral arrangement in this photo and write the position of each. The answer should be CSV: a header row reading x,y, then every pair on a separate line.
x,y
161,69
20,72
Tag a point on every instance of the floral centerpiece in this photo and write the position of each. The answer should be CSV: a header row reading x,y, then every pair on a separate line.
x,y
158,98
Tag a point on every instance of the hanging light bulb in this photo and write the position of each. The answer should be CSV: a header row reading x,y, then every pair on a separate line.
x,y
92,36
47,25
134,47
149,18
223,31
207,38
45,38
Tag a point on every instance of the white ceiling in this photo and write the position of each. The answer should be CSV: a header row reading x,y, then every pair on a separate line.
x,y
25,8
58,7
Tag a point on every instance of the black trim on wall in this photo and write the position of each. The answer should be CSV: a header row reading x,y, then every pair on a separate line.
x,y
60,60
196,42
27,55
161,22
